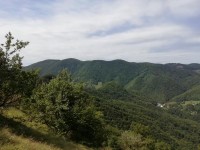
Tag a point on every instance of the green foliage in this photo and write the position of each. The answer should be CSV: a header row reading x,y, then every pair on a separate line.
x,y
47,78
148,120
162,146
139,128
63,106
131,141
130,92
18,132
133,121
191,94
113,90
14,83
158,82
186,109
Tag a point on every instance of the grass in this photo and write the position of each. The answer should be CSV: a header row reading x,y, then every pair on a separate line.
x,y
18,132
10,141
190,102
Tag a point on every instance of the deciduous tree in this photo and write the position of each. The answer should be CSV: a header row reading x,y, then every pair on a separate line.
x,y
14,82
65,107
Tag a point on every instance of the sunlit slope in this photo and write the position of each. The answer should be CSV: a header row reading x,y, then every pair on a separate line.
x,y
157,81
19,132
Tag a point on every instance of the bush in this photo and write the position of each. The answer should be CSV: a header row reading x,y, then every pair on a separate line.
x,y
64,106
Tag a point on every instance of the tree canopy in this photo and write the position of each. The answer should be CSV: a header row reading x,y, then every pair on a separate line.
x,y
66,108
14,82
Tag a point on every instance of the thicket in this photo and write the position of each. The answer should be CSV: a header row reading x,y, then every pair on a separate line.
x,y
67,109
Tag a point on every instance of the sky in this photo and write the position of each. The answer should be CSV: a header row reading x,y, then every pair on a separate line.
x,y
157,31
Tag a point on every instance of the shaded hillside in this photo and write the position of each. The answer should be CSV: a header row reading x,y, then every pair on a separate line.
x,y
192,94
125,109
18,131
159,82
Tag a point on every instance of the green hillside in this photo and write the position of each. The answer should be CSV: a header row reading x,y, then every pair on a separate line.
x,y
127,94
192,94
122,109
159,82
18,132
115,104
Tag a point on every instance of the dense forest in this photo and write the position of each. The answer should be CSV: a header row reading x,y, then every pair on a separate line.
x,y
100,104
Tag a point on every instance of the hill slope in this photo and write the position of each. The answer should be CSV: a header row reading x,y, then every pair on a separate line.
x,y
122,109
158,82
17,131
192,94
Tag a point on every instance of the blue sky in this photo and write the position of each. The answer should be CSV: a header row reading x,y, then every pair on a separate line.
x,y
158,31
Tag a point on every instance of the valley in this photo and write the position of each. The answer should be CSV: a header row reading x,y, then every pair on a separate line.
x,y
165,98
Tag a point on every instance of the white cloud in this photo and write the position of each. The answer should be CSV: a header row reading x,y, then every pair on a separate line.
x,y
65,28
184,8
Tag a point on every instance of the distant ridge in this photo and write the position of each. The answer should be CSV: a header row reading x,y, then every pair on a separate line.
x,y
160,82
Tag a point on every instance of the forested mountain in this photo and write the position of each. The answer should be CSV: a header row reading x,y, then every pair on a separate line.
x,y
162,99
158,82
122,109
192,94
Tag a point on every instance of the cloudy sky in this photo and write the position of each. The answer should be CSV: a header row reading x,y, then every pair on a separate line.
x,y
158,31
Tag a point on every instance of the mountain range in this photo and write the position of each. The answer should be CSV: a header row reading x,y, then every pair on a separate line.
x,y
159,82
163,97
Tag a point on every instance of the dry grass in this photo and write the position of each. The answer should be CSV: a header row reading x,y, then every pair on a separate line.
x,y
17,132
14,142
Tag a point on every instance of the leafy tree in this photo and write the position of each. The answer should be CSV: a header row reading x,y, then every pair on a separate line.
x,y
198,147
63,106
47,78
14,83
139,128
162,146
131,141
